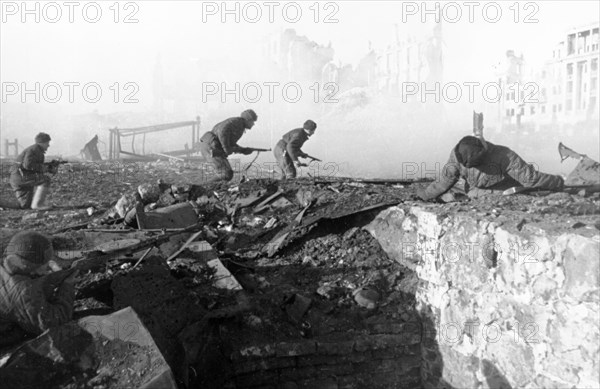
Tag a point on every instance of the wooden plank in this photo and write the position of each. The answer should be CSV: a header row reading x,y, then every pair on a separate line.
x,y
261,207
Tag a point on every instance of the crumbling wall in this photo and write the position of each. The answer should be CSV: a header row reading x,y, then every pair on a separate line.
x,y
384,356
504,302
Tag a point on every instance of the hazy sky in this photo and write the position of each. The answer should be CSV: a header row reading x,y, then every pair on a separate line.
x,y
120,51
185,32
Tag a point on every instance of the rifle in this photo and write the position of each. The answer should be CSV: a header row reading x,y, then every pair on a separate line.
x,y
54,164
313,158
95,259
57,278
571,189
253,149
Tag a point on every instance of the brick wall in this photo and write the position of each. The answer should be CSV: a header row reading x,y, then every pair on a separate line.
x,y
386,356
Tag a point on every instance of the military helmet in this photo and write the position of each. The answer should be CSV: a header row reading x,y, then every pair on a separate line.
x,y
249,115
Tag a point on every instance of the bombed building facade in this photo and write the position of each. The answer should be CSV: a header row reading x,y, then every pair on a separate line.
x,y
563,92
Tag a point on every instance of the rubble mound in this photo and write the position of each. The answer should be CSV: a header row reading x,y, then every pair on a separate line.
x,y
319,302
84,361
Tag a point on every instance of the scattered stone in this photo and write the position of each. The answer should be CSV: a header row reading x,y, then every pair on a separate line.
x,y
30,216
253,321
309,261
296,306
304,197
330,291
223,278
366,297
271,223
448,197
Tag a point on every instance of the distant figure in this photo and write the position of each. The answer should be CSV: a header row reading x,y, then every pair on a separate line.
x,y
488,167
218,144
90,150
288,149
27,177
31,300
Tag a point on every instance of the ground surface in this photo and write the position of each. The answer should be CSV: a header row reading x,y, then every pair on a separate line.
x,y
299,279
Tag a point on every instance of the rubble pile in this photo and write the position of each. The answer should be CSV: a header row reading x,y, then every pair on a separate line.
x,y
266,283
79,355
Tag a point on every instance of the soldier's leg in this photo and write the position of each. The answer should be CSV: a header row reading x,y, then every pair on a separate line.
x,y
280,158
25,196
289,168
215,163
223,168
23,190
41,192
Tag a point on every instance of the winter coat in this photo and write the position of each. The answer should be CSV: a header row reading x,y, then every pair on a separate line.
x,y
292,142
229,132
500,169
29,302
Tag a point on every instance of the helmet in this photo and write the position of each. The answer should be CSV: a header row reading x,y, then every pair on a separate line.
x,y
27,251
249,115
470,151
42,137
310,125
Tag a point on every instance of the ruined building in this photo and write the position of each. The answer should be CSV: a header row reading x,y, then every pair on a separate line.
x,y
572,73
411,60
563,91
296,57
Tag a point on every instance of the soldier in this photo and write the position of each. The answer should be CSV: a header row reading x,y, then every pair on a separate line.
x,y
28,179
288,149
218,144
487,168
31,300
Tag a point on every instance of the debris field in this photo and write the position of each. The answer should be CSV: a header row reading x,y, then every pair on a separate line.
x,y
254,283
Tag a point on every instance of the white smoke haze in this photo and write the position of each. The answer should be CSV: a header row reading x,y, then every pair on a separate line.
x,y
172,59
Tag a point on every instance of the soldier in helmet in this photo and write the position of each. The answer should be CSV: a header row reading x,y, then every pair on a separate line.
x,y
289,149
487,168
32,299
218,144
28,176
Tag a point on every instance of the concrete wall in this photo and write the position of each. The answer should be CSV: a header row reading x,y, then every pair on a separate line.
x,y
501,306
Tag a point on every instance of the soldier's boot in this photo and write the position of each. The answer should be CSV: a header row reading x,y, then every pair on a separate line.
x,y
39,198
